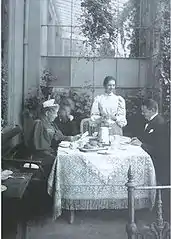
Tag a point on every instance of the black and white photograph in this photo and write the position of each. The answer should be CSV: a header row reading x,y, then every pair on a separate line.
x,y
85,119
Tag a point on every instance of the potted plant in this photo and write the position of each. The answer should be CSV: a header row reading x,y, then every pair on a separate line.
x,y
46,83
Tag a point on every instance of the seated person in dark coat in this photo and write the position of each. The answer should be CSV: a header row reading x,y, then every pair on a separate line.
x,y
65,122
46,137
154,139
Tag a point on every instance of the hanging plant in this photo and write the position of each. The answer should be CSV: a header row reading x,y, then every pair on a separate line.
x,y
129,30
98,23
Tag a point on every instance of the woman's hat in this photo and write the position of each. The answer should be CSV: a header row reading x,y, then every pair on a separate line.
x,y
50,103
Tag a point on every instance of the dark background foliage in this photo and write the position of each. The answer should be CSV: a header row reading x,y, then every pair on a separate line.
x,y
4,94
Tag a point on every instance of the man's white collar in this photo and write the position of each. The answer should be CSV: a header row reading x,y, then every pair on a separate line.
x,y
71,117
109,94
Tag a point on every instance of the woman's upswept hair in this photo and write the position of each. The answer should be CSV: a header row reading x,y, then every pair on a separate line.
x,y
67,102
107,79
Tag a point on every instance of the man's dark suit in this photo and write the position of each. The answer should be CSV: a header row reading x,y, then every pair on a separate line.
x,y
155,141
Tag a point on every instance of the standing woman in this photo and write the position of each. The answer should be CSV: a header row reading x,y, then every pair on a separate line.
x,y
109,108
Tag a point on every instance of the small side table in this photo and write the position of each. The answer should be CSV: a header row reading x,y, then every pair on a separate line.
x,y
16,187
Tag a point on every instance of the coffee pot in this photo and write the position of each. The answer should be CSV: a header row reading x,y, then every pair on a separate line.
x,y
104,137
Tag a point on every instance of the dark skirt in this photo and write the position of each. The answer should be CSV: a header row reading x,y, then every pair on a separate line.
x,y
47,159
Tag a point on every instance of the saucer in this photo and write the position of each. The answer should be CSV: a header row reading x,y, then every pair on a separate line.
x,y
3,188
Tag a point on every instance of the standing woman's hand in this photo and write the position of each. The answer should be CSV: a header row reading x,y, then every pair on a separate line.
x,y
113,117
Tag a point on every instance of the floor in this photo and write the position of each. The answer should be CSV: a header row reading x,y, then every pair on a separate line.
x,y
87,225
92,225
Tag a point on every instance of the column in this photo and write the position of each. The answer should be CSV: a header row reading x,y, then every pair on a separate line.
x,y
15,61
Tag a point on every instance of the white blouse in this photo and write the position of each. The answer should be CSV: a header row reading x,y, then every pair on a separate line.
x,y
111,106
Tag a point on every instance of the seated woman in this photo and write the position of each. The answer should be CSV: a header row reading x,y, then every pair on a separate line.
x,y
68,102
46,137
109,108
65,121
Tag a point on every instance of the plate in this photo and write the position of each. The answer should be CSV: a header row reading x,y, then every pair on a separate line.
x,y
65,144
103,152
122,147
5,174
3,188
92,150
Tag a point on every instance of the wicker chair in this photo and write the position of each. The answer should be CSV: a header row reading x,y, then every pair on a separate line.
x,y
86,125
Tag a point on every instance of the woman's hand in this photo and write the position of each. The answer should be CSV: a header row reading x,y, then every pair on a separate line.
x,y
113,117
75,138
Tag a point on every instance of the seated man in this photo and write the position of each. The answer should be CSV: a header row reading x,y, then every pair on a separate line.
x,y
46,137
65,121
155,140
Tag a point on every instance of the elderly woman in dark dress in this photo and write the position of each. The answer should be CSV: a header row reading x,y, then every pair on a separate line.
x,y
47,136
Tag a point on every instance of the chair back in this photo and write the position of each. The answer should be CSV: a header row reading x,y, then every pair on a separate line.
x,y
7,136
84,125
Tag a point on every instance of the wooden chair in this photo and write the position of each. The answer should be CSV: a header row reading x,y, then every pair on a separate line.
x,y
16,155
84,125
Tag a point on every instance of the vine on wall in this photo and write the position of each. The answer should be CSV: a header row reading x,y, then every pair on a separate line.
x,y
99,24
4,94
139,39
163,58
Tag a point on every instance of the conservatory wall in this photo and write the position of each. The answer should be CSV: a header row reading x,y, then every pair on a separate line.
x,y
75,64
80,72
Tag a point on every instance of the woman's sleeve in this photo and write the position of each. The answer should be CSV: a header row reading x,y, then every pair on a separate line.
x,y
95,112
121,113
41,140
58,136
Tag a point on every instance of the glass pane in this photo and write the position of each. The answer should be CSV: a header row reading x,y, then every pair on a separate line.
x,y
127,73
58,40
63,8
81,72
79,46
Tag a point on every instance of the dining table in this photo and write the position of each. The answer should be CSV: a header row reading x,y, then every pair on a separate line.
x,y
96,179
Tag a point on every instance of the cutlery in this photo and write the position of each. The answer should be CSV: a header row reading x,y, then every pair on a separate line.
x,y
22,177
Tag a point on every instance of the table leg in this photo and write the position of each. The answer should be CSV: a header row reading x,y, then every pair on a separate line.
x,y
71,216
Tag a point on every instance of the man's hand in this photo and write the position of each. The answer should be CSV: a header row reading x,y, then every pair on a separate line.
x,y
135,141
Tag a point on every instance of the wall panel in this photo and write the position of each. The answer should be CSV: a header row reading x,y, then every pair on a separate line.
x,y
128,73
103,68
78,72
81,72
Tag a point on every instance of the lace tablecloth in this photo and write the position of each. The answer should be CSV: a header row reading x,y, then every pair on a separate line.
x,y
88,181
